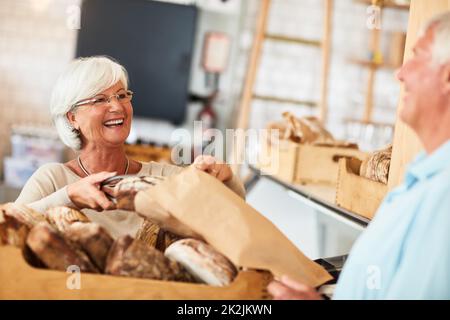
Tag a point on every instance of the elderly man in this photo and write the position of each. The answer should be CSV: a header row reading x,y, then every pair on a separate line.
x,y
405,252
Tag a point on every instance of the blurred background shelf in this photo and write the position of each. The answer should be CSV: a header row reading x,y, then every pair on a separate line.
x,y
401,5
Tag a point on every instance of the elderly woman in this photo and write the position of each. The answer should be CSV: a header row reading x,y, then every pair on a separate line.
x,y
91,109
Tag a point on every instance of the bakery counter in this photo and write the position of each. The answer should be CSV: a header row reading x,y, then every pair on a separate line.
x,y
320,197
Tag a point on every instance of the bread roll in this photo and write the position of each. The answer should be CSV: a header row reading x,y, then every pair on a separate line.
x,y
93,239
56,252
202,261
62,217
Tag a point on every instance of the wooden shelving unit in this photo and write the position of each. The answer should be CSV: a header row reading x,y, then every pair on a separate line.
x,y
373,65
261,35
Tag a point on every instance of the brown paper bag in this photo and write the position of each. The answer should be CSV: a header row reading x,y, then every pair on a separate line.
x,y
204,204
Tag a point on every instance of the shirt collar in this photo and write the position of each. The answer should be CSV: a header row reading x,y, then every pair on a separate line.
x,y
426,166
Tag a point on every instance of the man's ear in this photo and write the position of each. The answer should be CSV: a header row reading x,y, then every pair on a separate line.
x,y
446,78
71,117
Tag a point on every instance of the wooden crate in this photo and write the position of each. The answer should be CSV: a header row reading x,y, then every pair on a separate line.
x,y
147,153
21,281
358,194
319,164
279,160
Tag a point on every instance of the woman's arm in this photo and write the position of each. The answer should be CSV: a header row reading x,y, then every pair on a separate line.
x,y
42,190
48,187
57,198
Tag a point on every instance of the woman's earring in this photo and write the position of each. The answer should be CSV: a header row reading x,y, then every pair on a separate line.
x,y
72,128
76,131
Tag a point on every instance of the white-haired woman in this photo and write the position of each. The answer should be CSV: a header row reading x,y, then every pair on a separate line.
x,y
91,109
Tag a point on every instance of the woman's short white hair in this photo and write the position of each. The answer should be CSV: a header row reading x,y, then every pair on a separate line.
x,y
441,44
82,79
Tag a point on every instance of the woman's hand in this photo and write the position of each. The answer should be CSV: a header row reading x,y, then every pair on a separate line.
x,y
86,192
288,289
210,165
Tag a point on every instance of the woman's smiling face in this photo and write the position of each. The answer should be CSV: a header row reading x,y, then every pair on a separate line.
x,y
107,124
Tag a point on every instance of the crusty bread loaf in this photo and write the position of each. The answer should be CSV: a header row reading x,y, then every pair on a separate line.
x,y
376,167
307,130
93,239
24,214
62,217
124,190
12,231
202,261
115,255
56,252
141,261
155,237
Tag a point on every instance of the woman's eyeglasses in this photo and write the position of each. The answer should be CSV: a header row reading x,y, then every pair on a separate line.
x,y
123,96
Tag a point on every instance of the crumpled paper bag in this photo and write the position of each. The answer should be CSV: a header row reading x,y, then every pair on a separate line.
x,y
206,207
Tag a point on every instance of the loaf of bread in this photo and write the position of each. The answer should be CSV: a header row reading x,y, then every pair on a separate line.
x,y
306,130
124,190
55,251
156,237
202,261
24,214
12,231
62,217
376,167
114,259
142,261
93,240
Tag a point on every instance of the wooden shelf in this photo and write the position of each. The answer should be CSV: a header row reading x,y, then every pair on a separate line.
x,y
370,64
305,103
300,41
386,4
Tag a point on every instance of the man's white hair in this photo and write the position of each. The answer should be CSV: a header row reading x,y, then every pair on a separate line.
x,y
441,44
83,78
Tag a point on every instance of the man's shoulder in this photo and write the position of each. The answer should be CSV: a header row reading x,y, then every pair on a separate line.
x,y
441,181
437,196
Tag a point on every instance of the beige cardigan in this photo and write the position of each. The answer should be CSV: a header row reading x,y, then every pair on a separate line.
x,y
47,188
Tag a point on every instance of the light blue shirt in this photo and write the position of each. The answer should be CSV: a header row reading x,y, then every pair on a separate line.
x,y
405,251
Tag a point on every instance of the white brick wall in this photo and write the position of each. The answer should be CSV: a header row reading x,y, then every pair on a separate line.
x,y
35,45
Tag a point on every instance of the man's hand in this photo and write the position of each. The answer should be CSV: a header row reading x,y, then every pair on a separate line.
x,y
210,165
288,289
